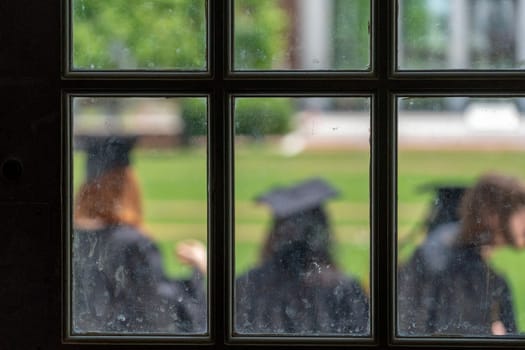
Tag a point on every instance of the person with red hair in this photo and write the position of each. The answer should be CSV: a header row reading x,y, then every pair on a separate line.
x,y
119,285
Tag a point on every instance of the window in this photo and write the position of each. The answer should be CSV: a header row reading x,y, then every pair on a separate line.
x,y
402,76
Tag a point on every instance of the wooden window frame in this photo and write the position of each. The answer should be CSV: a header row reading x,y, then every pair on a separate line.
x,y
34,81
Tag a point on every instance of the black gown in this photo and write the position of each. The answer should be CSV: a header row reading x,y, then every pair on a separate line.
x,y
119,287
447,289
311,303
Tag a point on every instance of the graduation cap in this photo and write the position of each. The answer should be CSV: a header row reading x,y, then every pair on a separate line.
x,y
445,205
444,209
288,201
105,153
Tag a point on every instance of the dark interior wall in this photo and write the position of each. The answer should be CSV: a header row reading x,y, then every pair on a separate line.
x,y
30,179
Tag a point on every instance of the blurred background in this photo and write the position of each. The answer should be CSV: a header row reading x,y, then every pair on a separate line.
x,y
297,34
442,140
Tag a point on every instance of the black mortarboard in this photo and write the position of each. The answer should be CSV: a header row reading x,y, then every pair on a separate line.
x,y
287,201
105,153
444,208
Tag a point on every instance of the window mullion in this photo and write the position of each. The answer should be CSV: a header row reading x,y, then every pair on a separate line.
x,y
219,173
383,176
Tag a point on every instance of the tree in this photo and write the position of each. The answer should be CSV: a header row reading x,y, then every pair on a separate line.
x,y
351,34
423,35
155,34
171,34
260,34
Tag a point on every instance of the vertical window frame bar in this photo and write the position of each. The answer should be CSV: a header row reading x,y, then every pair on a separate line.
x,y
220,183
383,180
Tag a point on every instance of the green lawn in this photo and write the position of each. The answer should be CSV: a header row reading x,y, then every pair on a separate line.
x,y
174,191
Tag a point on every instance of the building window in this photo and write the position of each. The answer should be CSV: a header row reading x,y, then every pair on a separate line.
x,y
300,141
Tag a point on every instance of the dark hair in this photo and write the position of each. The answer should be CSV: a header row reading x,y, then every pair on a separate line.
x,y
487,206
299,242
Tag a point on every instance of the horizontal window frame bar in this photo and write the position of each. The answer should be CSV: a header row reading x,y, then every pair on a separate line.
x,y
302,85
503,342
451,74
442,94
295,75
257,340
128,74
134,94
299,94
301,75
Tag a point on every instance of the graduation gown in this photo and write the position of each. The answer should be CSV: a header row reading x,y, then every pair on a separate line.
x,y
447,289
270,301
119,287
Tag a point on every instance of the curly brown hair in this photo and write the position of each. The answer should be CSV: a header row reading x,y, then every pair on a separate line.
x,y
486,208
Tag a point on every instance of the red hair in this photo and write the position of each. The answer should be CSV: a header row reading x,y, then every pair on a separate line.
x,y
113,198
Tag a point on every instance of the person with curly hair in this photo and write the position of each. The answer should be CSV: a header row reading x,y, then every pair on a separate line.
x,y
447,287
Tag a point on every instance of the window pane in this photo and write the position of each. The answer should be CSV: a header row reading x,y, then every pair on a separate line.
x,y
139,215
302,216
301,35
461,34
461,216
139,35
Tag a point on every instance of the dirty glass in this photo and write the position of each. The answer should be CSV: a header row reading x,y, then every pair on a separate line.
x,y
461,216
302,228
311,35
139,217
461,34
141,35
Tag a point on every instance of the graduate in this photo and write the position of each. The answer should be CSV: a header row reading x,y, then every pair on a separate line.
x,y
298,289
441,227
447,287
119,285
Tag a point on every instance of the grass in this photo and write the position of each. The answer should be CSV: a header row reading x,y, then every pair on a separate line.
x,y
175,192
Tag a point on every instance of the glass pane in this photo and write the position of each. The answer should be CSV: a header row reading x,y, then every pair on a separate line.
x,y
139,35
461,34
139,258
461,216
302,216
301,35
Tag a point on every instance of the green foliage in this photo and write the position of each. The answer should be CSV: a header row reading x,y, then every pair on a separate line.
x,y
255,117
258,116
415,17
260,34
193,112
154,34
170,34
351,34
423,35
